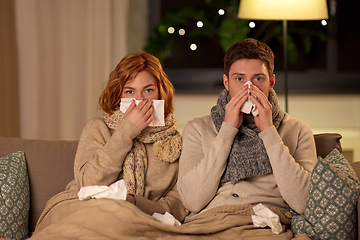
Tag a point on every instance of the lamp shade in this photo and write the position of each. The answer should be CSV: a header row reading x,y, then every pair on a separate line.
x,y
283,9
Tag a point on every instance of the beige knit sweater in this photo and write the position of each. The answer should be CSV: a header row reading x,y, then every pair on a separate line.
x,y
292,154
99,159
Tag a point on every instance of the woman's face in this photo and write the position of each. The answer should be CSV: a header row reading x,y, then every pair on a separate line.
x,y
142,86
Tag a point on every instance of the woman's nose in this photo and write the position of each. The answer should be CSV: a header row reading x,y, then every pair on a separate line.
x,y
139,96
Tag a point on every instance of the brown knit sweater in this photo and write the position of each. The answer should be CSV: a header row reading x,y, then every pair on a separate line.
x,y
99,159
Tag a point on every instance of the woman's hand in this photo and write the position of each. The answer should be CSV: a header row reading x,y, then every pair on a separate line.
x,y
131,199
141,115
264,119
233,114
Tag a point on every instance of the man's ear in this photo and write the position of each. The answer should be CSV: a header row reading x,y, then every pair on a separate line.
x,y
226,81
272,81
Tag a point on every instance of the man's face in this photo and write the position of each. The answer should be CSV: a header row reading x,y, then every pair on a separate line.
x,y
244,70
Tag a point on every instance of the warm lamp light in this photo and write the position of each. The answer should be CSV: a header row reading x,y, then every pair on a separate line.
x,y
283,10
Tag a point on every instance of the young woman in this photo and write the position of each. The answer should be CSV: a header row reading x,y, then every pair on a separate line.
x,y
124,146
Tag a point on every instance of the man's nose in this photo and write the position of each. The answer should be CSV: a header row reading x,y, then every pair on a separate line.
x,y
254,82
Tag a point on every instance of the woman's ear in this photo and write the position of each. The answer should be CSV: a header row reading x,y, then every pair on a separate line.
x,y
226,81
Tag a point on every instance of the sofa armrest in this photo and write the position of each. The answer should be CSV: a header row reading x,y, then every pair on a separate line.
x,y
326,142
50,167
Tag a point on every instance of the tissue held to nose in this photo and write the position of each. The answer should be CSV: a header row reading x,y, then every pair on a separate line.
x,y
158,110
249,106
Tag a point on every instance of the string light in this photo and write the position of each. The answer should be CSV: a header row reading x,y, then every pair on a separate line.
x,y
171,30
199,24
193,47
221,12
251,24
182,31
324,22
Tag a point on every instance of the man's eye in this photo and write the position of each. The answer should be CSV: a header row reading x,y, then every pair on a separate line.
x,y
258,79
239,79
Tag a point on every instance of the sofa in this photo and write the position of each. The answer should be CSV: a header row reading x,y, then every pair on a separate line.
x,y
50,166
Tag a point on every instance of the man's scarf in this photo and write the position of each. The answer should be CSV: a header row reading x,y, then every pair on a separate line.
x,y
167,146
248,157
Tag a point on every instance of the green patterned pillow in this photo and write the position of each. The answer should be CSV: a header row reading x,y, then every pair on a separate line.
x,y
330,211
14,196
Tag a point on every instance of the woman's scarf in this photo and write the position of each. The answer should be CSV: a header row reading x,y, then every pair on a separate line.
x,y
248,157
167,146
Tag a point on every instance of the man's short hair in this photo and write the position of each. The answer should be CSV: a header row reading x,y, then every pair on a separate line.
x,y
249,49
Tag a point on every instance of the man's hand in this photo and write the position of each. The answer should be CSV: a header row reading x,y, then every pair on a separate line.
x,y
141,116
233,115
264,119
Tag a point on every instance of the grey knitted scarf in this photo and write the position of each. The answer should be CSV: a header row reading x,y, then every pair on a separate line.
x,y
248,157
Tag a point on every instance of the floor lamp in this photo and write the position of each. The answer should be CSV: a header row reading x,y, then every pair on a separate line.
x,y
283,10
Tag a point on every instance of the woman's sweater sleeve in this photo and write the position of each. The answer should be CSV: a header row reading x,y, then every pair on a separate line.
x,y
200,172
291,168
100,155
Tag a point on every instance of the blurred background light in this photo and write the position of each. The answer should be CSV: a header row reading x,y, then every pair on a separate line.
x,y
193,46
182,31
171,30
251,24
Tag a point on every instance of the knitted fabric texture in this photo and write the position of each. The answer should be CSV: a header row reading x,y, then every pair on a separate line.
x,y
248,157
167,146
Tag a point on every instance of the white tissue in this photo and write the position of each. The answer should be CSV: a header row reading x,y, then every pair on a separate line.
x,y
167,218
117,190
249,106
158,110
265,217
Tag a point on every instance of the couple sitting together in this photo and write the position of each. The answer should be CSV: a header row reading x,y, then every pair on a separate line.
x,y
246,152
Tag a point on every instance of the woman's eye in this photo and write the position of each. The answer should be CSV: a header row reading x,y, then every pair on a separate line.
x,y
129,92
149,90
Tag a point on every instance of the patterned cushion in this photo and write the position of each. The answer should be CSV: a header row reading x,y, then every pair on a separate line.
x,y
14,196
330,211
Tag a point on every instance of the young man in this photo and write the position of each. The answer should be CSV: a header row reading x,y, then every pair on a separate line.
x,y
231,158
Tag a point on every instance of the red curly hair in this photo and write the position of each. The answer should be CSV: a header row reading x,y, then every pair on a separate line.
x,y
126,70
